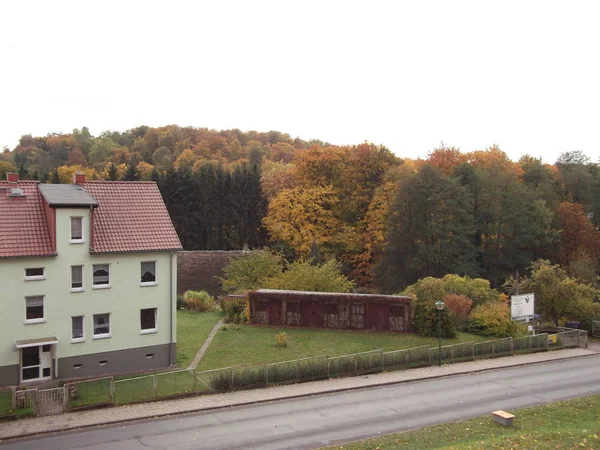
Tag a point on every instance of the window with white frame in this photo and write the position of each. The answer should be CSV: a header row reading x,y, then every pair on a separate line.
x,y
101,325
101,275
148,320
77,278
35,273
76,229
148,273
77,329
34,309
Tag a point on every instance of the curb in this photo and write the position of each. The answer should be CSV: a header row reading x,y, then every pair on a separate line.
x,y
285,397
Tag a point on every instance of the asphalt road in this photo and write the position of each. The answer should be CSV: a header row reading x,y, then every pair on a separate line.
x,y
347,416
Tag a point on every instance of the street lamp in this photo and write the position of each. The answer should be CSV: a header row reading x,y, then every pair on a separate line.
x,y
439,305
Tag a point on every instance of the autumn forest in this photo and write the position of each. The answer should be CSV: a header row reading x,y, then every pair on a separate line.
x,y
387,220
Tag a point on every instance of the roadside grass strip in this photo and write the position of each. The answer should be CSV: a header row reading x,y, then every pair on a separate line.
x,y
564,425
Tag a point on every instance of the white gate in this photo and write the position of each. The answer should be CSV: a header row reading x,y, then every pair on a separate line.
x,y
50,401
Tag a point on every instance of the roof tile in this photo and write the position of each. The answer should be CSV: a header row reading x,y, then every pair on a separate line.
x,y
23,229
131,217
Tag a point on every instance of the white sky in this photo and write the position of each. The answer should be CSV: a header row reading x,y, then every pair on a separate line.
x,y
407,74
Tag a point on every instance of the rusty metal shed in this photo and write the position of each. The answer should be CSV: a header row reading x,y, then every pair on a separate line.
x,y
331,310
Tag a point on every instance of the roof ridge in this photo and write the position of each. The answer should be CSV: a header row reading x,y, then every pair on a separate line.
x,y
119,182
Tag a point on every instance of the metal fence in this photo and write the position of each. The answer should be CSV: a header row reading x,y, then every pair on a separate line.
x,y
596,328
102,391
88,393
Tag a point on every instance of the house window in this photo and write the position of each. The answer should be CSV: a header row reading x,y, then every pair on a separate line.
x,y
77,229
35,273
148,320
77,329
34,309
101,325
76,278
148,273
101,275
358,309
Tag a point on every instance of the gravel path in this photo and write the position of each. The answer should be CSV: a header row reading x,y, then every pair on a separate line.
x,y
204,347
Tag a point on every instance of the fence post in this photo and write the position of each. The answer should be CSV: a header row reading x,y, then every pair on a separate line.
x,y
297,370
232,378
65,397
493,349
266,375
512,347
547,343
112,390
355,364
382,361
154,385
429,355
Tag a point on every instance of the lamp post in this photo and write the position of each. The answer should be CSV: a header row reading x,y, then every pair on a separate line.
x,y
439,305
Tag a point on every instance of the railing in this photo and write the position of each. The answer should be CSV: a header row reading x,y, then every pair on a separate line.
x,y
162,385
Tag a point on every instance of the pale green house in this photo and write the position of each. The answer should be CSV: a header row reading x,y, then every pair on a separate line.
x,y
88,279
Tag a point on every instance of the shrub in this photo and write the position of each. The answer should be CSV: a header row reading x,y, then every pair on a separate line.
x,y
493,319
460,305
200,301
234,309
281,339
425,321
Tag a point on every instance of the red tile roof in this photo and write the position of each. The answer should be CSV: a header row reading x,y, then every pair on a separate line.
x,y
23,228
131,217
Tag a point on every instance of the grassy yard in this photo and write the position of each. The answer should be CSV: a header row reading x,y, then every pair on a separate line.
x,y
565,425
243,344
192,330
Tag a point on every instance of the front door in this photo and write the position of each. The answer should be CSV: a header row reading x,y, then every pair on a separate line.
x,y
36,363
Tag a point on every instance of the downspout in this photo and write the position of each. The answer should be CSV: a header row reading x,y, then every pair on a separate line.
x,y
171,309
91,228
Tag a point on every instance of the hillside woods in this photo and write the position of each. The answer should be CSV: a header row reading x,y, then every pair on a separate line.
x,y
388,220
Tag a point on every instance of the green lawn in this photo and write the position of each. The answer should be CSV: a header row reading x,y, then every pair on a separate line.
x,y
192,330
243,344
565,425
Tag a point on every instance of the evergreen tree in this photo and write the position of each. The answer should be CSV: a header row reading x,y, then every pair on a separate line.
x,y
131,173
112,172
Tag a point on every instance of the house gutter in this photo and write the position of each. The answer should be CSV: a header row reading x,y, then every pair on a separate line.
x,y
171,309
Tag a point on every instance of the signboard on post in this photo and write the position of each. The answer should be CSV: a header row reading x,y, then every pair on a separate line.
x,y
521,307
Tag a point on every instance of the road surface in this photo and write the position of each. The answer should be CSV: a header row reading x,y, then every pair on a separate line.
x,y
320,420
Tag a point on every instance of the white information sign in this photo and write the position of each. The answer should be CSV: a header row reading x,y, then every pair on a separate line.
x,y
521,307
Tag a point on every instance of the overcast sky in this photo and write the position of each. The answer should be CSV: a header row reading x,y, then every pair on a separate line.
x,y
407,74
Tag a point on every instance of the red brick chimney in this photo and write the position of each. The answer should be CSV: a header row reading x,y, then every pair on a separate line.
x,y
78,178
12,177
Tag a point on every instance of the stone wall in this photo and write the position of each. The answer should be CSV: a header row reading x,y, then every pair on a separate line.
x,y
196,270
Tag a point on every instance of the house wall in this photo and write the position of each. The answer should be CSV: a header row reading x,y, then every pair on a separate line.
x,y
122,300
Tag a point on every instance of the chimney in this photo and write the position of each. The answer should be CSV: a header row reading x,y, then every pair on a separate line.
x,y
12,177
78,178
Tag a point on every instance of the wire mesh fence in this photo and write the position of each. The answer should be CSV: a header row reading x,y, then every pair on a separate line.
x,y
6,402
596,328
305,369
169,384
103,391
134,390
83,394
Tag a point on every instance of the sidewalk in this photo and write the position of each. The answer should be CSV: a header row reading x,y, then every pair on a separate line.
x,y
69,421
